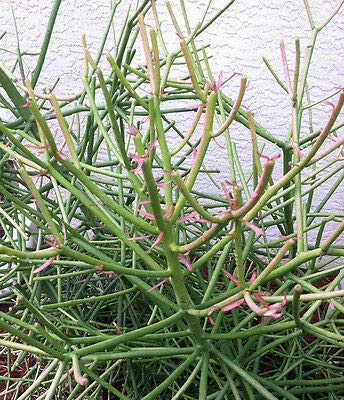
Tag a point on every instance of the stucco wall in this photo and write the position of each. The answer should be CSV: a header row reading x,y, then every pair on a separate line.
x,y
248,30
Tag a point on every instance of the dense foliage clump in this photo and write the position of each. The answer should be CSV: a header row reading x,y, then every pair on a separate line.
x,y
122,276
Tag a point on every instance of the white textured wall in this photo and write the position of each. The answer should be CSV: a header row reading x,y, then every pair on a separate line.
x,y
248,30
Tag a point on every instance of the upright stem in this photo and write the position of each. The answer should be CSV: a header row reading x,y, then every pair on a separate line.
x,y
201,151
177,277
45,44
297,155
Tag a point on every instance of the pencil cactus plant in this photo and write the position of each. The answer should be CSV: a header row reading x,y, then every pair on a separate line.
x,y
131,281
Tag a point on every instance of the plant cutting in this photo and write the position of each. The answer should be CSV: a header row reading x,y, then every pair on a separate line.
x,y
127,278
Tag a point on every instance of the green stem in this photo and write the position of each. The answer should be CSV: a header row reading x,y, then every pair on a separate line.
x,y
245,375
17,99
42,206
173,376
192,71
206,138
46,41
129,336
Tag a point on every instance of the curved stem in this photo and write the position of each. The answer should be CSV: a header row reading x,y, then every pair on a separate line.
x,y
235,108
